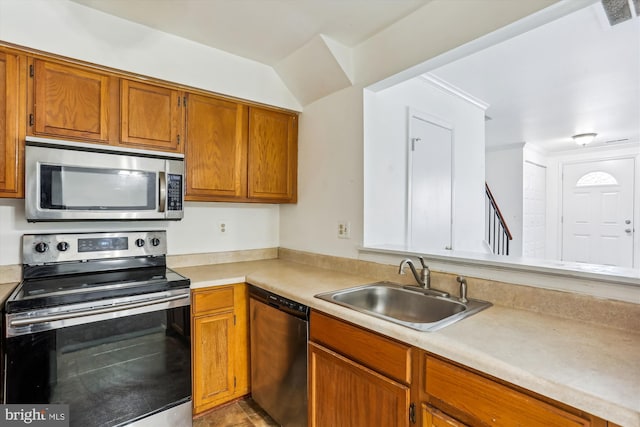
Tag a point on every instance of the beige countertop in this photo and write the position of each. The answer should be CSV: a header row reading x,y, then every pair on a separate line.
x,y
595,369
6,289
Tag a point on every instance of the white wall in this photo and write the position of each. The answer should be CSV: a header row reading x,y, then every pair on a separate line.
x,y
385,161
330,177
331,150
330,130
248,226
504,176
67,28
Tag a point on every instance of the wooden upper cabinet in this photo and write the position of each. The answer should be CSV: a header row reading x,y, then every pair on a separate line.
x,y
150,116
215,148
272,158
71,102
12,120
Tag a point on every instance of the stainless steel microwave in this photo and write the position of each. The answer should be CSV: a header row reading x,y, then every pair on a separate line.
x,y
68,181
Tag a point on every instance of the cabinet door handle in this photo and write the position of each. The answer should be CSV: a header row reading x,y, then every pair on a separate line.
x,y
412,413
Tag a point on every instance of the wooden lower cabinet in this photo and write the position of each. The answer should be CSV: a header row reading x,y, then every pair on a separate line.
x,y
357,378
452,395
220,345
345,393
431,417
360,378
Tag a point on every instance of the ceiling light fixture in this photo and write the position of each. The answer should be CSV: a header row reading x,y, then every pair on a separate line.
x,y
584,138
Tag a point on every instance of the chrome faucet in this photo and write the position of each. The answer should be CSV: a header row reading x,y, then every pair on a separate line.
x,y
423,278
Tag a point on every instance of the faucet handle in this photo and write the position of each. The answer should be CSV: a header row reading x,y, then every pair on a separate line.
x,y
422,262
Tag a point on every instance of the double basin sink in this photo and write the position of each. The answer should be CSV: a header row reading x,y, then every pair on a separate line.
x,y
409,306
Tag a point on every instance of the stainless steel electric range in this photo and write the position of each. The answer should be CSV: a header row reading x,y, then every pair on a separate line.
x,y
100,323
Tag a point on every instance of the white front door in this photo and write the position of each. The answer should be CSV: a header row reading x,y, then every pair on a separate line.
x,y
597,205
430,167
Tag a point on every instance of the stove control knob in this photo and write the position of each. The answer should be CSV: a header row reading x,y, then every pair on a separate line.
x,y
63,246
139,243
41,247
155,241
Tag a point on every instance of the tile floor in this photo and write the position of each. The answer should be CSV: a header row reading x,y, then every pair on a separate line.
x,y
243,413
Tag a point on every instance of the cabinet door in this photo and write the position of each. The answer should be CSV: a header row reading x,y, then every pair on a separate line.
x,y
220,345
273,151
215,149
213,354
150,116
344,393
12,116
70,102
431,417
487,402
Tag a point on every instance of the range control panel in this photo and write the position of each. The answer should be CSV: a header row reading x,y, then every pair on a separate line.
x,y
47,248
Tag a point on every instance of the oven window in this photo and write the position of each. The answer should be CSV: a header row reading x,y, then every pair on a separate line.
x,y
79,188
109,372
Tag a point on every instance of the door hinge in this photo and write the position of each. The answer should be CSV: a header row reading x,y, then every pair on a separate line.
x,y
234,320
178,139
31,72
30,119
412,413
184,101
234,382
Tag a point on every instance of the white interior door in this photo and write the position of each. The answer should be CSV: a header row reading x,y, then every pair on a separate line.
x,y
597,205
534,210
430,175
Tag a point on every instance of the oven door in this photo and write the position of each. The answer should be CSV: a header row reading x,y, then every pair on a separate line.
x,y
119,367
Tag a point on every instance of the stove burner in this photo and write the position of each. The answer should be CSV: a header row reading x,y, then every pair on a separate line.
x,y
73,276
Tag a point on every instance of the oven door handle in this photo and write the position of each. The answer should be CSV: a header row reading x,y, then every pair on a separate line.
x,y
94,311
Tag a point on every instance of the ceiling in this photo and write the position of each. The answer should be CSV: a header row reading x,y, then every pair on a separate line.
x,y
266,31
574,75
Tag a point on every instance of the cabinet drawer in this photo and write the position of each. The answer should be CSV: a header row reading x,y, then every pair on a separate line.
x,y
211,300
488,402
431,417
379,353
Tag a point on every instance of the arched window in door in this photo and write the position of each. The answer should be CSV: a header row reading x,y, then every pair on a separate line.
x,y
593,179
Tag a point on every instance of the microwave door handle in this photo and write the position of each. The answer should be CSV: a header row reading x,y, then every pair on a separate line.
x,y
163,191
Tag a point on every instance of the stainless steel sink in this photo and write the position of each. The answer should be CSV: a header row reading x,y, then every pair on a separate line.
x,y
405,305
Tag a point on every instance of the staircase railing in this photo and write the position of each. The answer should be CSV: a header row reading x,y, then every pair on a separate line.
x,y
498,234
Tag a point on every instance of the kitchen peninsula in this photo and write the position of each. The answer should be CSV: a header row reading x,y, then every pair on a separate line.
x,y
543,353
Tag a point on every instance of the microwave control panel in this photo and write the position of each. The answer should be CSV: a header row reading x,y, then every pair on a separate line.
x,y
174,192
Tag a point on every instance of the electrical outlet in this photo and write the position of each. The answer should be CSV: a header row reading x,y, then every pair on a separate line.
x,y
223,227
344,230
